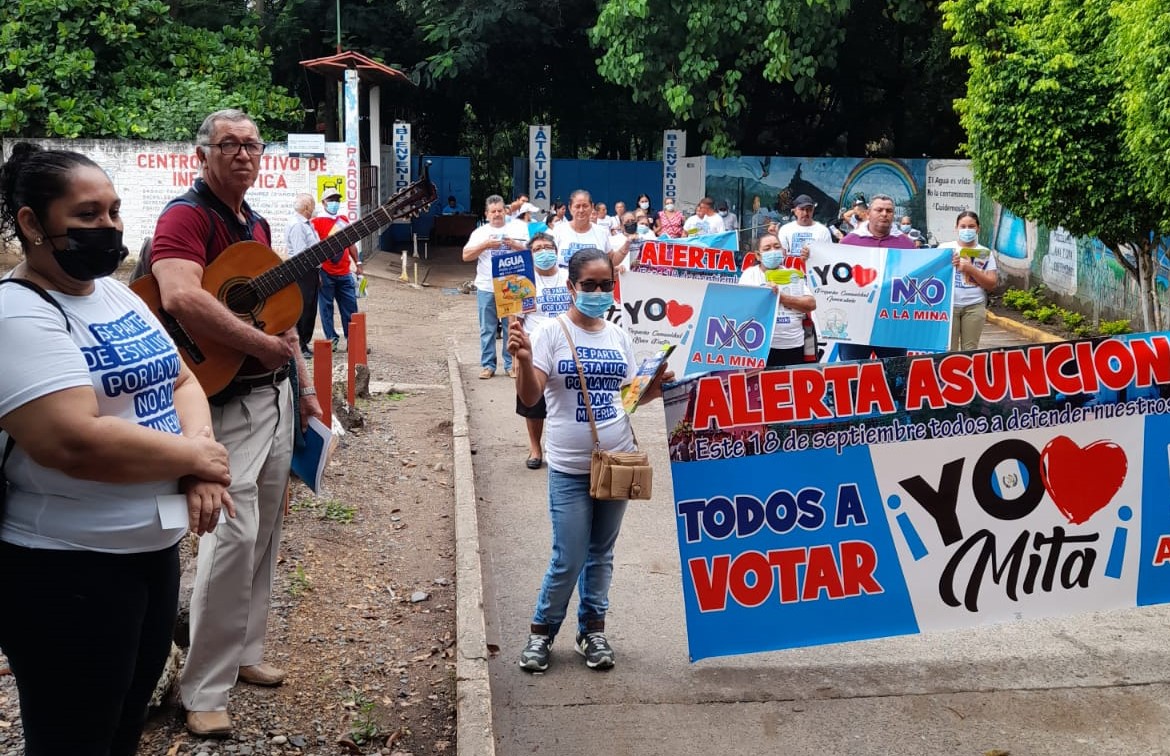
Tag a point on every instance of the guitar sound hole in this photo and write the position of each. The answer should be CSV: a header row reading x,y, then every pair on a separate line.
x,y
241,299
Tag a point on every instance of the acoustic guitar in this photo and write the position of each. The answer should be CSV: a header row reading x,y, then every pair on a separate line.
x,y
260,288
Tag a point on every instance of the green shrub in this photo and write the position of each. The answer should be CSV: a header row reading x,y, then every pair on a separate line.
x,y
1072,320
1113,327
1020,299
1045,314
1082,331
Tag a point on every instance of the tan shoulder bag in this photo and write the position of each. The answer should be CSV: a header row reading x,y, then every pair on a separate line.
x,y
613,476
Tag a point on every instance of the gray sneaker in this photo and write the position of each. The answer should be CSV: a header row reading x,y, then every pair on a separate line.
x,y
534,657
596,650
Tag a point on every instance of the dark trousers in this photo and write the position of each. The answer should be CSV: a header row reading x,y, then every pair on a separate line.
x,y
785,357
862,352
308,284
87,636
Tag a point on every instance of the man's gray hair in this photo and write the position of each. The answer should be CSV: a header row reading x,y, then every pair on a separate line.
x,y
886,197
234,115
579,192
303,203
493,199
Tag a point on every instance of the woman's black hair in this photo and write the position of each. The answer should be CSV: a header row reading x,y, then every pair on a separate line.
x,y
762,237
583,257
969,214
33,177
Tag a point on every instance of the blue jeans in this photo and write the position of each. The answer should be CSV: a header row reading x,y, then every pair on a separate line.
x,y
344,290
486,301
584,532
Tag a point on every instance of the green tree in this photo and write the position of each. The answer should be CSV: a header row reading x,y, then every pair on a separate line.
x,y
773,76
1046,119
126,68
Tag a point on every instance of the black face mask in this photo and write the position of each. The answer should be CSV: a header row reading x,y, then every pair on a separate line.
x,y
632,227
90,253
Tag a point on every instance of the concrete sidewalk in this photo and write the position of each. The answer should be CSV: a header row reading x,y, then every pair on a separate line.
x,y
1091,685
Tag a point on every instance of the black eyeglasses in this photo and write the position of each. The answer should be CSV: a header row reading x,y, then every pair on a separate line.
x,y
592,286
544,249
231,149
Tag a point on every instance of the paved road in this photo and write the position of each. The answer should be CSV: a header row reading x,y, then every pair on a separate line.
x,y
1090,685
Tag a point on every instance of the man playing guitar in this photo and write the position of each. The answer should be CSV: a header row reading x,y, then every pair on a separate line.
x,y
252,417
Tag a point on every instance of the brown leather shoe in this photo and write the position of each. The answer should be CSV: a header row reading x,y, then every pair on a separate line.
x,y
209,724
264,675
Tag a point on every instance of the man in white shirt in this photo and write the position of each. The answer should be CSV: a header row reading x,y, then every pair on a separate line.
x,y
796,235
299,236
704,221
499,236
580,233
730,219
604,220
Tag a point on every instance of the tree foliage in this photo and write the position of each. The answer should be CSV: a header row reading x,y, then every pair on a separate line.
x,y
1062,127
126,68
846,76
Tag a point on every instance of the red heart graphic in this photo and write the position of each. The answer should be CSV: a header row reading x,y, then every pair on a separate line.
x,y
1080,481
863,276
678,313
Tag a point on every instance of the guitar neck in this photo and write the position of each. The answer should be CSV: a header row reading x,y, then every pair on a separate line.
x,y
280,276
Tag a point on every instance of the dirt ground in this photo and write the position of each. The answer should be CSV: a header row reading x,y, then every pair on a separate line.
x,y
363,615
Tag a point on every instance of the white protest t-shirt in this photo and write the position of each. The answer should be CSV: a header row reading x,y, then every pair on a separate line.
x,y
607,358
789,329
118,349
793,236
569,241
483,264
552,299
696,226
967,292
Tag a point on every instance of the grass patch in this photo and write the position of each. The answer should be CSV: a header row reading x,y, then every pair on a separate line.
x,y
333,510
298,582
364,727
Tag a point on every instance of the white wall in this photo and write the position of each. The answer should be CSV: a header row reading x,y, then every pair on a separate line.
x,y
149,174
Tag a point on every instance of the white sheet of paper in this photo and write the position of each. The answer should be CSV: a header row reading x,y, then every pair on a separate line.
x,y
172,511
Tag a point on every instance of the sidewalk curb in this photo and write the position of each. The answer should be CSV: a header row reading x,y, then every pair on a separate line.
x,y
475,735
1034,335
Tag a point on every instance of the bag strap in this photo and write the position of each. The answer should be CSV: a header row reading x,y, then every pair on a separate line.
x,y
584,386
43,295
11,443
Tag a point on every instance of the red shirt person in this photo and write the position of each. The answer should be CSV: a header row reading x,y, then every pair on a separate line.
x,y
337,283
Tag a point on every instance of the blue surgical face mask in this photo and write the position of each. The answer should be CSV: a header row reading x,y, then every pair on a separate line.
x,y
773,259
594,304
545,259
904,228
967,235
642,230
332,206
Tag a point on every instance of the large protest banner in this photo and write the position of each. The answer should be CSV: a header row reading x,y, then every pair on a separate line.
x,y
859,500
714,326
882,297
708,257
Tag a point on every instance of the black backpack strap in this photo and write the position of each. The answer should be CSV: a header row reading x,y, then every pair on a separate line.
x,y
11,443
43,295
193,198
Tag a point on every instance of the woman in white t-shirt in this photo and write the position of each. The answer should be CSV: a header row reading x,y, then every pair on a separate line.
x,y
793,301
552,299
584,529
976,273
105,427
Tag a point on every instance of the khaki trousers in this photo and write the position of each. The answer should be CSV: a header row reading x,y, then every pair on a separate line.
x,y
233,579
967,326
